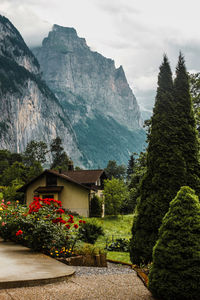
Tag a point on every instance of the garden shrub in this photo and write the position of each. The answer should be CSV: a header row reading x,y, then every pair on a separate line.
x,y
90,231
121,245
175,273
41,228
95,207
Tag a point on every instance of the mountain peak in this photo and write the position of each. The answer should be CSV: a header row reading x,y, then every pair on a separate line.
x,y
66,30
13,46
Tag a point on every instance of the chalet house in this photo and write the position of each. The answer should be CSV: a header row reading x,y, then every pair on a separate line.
x,y
73,188
90,178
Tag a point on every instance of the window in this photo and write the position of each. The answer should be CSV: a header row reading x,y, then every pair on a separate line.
x,y
47,196
51,180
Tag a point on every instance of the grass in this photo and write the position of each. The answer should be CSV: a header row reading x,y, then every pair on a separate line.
x,y
119,256
114,227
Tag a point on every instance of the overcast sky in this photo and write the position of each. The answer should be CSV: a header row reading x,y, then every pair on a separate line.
x,y
135,33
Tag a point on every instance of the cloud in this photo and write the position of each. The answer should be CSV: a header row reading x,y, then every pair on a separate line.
x,y
135,34
23,17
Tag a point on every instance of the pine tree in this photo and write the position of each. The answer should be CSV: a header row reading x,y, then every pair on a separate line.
x,y
131,166
175,273
59,156
166,171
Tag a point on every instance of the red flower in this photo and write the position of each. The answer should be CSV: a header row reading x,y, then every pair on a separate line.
x,y
63,222
84,222
80,221
19,232
75,226
67,226
71,216
57,220
70,221
60,211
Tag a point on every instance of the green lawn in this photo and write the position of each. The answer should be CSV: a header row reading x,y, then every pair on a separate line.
x,y
115,227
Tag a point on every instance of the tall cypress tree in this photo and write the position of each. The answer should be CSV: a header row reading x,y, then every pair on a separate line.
x,y
186,126
166,170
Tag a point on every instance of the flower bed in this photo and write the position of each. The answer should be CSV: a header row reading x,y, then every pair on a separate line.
x,y
41,227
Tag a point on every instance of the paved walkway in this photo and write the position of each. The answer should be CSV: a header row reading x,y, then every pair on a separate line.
x,y
20,266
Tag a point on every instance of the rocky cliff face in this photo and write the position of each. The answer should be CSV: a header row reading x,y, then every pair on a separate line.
x,y
29,110
101,106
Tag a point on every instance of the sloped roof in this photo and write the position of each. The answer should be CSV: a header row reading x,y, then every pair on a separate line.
x,y
64,176
85,176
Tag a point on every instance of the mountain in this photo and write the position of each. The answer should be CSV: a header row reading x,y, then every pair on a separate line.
x,y
29,109
101,106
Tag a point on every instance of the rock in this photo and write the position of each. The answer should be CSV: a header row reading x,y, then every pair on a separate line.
x,y
102,108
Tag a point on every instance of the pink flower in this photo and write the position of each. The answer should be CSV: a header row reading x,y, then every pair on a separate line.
x,y
2,200
3,224
8,203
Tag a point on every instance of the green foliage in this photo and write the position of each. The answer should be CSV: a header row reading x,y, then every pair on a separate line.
x,y
131,166
186,127
175,273
113,170
16,171
121,245
129,203
172,159
115,192
90,231
42,227
59,156
134,181
7,159
35,152
33,171
10,192
95,207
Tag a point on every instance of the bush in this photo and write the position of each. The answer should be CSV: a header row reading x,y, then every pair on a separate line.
x,y
95,207
41,228
89,232
121,245
175,272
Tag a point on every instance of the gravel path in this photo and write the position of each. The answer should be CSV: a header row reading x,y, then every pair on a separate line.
x,y
110,270
115,282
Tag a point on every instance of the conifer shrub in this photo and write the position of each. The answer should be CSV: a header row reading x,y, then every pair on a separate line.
x,y
175,273
95,207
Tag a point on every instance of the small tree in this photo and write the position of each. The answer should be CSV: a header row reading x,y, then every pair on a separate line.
x,y
35,152
114,170
175,273
95,207
131,166
59,156
115,192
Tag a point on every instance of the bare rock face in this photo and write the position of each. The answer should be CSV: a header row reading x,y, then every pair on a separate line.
x,y
102,108
29,110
